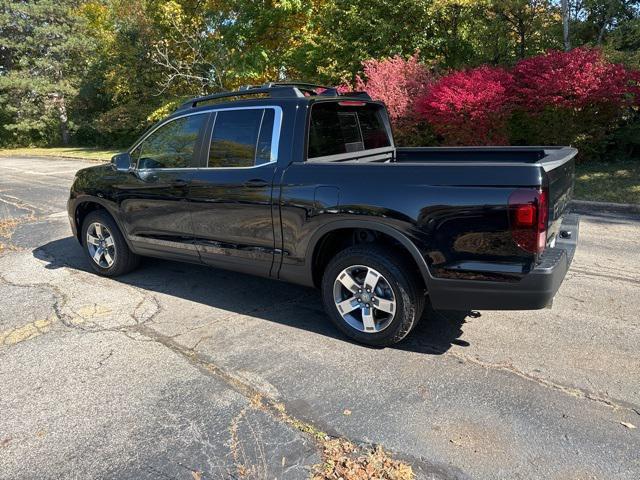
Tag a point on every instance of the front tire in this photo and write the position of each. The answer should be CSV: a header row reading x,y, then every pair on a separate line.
x,y
105,247
373,295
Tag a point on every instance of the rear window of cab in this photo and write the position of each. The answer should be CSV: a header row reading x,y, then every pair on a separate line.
x,y
338,128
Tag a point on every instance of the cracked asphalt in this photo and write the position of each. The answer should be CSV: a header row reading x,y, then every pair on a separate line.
x,y
157,374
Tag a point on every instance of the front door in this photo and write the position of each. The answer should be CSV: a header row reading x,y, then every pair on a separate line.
x,y
154,200
231,196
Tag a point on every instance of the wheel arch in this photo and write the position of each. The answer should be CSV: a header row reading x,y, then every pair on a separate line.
x,y
317,241
87,204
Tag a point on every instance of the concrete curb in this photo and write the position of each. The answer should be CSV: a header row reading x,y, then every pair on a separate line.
x,y
586,207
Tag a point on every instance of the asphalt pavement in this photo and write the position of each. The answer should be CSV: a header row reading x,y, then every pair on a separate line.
x,y
183,371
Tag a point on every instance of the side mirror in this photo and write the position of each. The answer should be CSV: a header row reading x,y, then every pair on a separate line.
x,y
121,162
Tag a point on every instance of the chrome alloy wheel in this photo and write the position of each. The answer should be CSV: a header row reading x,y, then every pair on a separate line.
x,y
364,299
100,245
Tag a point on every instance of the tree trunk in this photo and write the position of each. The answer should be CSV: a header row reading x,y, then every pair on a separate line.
x,y
522,33
64,120
601,33
565,25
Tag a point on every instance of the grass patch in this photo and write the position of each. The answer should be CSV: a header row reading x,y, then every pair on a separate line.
x,y
100,154
617,182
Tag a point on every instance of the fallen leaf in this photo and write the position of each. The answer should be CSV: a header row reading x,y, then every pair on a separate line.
x,y
196,475
347,412
630,426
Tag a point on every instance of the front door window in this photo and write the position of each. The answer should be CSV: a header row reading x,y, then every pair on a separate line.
x,y
173,145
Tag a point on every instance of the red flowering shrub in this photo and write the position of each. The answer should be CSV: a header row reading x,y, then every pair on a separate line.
x,y
395,81
575,97
398,82
470,107
567,98
580,78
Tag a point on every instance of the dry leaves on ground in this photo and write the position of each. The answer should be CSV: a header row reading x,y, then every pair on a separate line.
x,y
344,461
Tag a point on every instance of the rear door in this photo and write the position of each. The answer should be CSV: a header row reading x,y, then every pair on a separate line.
x,y
231,196
153,199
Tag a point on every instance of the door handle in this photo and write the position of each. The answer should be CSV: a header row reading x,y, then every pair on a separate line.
x,y
256,183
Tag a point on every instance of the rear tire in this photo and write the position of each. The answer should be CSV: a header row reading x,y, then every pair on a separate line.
x,y
105,247
385,314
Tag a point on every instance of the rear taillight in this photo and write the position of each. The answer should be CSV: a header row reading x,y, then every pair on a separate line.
x,y
528,212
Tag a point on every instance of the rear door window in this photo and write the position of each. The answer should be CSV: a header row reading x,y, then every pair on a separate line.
x,y
241,138
341,127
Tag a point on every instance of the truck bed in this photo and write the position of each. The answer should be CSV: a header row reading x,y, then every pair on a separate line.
x,y
556,162
546,157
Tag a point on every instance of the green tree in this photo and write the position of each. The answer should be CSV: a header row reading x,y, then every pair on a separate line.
x,y
122,87
44,57
263,38
532,26
593,21
623,43
343,33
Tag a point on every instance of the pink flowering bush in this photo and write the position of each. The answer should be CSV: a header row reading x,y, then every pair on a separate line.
x,y
398,83
579,79
575,97
470,107
564,98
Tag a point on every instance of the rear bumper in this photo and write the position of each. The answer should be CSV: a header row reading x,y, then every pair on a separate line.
x,y
536,290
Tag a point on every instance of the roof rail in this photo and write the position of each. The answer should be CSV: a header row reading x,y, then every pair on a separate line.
x,y
274,90
278,92
311,87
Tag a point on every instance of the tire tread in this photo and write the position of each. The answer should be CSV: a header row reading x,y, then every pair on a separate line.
x,y
126,260
403,273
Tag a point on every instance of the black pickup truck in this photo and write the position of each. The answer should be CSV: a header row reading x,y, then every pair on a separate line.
x,y
289,183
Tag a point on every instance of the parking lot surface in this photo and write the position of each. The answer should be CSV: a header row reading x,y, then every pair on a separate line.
x,y
183,371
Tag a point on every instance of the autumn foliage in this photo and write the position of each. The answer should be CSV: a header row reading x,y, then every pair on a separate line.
x,y
399,82
575,97
581,78
409,80
470,107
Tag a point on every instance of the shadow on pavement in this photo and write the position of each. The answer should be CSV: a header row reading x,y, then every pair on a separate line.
x,y
231,291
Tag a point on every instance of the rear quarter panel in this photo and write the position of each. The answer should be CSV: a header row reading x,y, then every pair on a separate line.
x,y
456,215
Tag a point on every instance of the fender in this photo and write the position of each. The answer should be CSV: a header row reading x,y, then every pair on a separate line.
x,y
370,225
108,205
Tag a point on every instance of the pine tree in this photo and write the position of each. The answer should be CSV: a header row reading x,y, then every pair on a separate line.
x,y
43,56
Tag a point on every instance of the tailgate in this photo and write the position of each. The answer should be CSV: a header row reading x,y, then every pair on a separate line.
x,y
559,169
